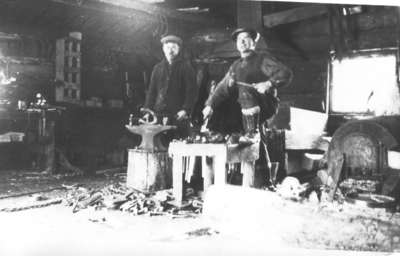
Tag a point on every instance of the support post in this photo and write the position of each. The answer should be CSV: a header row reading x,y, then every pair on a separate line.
x,y
177,167
207,167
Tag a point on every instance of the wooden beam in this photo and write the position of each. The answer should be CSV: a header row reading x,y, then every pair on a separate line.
x,y
293,15
148,9
109,9
353,2
365,21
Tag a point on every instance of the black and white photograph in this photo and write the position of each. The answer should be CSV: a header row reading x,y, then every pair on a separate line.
x,y
199,127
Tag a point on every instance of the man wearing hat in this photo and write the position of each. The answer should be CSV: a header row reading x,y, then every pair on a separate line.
x,y
172,90
253,80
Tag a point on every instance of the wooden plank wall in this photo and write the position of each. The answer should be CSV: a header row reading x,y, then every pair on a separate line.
x,y
375,27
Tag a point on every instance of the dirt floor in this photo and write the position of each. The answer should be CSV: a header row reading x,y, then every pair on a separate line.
x,y
235,225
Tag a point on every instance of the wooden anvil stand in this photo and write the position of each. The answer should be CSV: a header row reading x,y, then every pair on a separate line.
x,y
149,167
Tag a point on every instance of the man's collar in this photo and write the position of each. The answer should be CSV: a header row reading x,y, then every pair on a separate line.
x,y
176,60
250,54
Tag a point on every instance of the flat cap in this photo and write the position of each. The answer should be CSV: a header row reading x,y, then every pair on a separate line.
x,y
172,39
252,32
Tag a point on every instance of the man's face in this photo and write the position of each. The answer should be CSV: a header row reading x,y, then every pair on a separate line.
x,y
171,50
244,42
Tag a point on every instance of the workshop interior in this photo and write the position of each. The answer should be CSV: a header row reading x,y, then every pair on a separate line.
x,y
80,132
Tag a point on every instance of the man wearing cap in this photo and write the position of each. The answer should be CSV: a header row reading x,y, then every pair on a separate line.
x,y
253,80
172,90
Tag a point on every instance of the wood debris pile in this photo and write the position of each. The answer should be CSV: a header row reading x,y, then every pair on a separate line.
x,y
119,197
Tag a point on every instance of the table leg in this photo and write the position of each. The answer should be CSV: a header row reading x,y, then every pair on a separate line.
x,y
248,171
219,170
177,172
207,171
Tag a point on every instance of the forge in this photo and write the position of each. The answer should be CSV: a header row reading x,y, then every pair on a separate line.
x,y
365,97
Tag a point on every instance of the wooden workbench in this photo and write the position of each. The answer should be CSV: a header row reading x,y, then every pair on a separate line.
x,y
220,155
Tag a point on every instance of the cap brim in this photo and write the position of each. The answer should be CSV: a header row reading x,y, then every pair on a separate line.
x,y
252,33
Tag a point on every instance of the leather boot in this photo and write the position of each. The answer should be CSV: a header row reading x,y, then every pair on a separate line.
x,y
250,127
233,138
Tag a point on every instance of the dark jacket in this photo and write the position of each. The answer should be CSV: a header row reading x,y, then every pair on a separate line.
x,y
258,67
172,88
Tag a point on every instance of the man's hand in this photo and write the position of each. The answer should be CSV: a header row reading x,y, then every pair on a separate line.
x,y
231,82
230,79
207,112
181,115
263,86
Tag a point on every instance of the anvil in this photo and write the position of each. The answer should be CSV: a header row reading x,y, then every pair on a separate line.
x,y
150,134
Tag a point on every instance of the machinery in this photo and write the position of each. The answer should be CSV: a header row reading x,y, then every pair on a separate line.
x,y
364,116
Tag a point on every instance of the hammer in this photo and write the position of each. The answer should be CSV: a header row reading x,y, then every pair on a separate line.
x,y
151,113
204,128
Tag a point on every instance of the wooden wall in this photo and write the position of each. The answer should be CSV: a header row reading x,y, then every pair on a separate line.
x,y
375,27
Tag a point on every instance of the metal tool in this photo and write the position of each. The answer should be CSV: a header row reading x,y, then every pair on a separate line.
x,y
204,128
150,131
252,85
231,75
149,112
245,84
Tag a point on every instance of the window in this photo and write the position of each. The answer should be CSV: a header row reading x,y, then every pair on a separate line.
x,y
365,83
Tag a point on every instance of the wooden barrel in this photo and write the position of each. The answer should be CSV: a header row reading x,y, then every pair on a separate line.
x,y
149,171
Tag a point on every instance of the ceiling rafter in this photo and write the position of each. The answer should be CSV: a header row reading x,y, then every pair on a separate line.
x,y
125,7
353,2
106,9
154,10
294,15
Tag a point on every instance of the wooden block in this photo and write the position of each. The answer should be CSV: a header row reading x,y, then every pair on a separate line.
x,y
248,171
148,171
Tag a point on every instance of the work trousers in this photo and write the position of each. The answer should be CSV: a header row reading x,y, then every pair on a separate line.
x,y
250,98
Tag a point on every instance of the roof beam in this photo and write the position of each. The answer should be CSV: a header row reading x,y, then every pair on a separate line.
x,y
148,9
293,15
353,2
88,5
